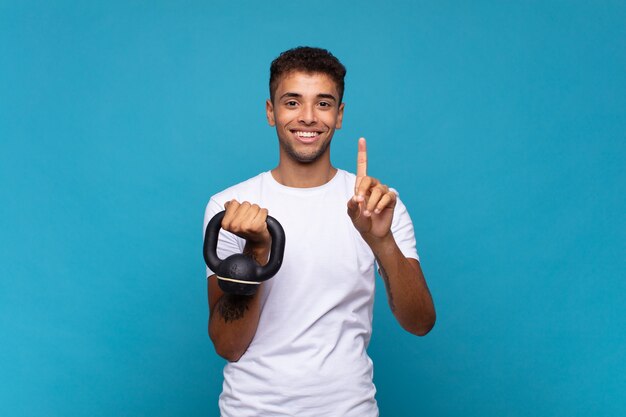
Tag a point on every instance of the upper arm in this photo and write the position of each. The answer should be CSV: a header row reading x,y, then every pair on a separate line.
x,y
403,232
415,264
226,242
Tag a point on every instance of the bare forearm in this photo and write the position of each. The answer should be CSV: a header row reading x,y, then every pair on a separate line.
x,y
234,319
407,291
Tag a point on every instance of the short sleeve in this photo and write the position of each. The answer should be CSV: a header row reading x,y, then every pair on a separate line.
x,y
402,229
227,243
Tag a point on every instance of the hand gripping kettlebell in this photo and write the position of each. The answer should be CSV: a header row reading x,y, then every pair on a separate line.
x,y
239,273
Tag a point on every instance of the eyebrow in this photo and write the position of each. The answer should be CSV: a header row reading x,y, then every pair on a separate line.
x,y
321,95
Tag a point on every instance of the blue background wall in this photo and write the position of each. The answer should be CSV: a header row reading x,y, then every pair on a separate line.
x,y
502,124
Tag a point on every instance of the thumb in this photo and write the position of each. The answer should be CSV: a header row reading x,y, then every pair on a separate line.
x,y
354,211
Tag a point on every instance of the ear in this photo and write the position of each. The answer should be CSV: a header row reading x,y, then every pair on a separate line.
x,y
339,117
269,112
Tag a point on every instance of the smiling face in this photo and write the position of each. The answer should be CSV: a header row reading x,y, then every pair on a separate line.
x,y
306,111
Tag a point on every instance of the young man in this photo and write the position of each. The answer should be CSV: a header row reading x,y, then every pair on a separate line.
x,y
298,346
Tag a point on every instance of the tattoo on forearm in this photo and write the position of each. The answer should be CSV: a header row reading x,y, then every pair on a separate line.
x,y
248,252
385,277
232,307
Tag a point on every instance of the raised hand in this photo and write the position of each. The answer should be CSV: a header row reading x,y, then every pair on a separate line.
x,y
371,206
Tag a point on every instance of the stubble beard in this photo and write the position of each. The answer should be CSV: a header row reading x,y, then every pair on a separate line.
x,y
304,157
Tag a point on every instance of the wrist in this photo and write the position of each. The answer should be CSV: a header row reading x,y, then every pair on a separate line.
x,y
260,252
379,244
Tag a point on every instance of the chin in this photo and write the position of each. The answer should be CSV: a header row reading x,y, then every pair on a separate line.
x,y
305,158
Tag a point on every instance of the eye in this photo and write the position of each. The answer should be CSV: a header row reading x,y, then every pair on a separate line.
x,y
291,103
325,104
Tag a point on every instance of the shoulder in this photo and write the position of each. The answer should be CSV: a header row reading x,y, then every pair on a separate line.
x,y
346,175
346,179
247,190
241,189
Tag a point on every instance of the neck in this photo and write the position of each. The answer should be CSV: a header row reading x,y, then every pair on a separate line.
x,y
298,175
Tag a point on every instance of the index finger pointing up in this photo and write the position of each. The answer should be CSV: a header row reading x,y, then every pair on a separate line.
x,y
361,160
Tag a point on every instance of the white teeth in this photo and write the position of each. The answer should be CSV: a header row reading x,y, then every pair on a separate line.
x,y
306,134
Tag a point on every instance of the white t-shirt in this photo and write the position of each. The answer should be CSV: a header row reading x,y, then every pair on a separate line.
x,y
308,356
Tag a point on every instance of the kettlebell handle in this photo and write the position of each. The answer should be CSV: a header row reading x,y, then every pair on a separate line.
x,y
277,248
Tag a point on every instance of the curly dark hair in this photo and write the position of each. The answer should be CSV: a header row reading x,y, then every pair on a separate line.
x,y
309,60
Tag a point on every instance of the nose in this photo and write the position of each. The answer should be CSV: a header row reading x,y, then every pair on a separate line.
x,y
307,115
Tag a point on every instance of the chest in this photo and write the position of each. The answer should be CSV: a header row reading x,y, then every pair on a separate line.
x,y
323,251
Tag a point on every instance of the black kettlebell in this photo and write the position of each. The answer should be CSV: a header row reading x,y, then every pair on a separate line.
x,y
240,274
